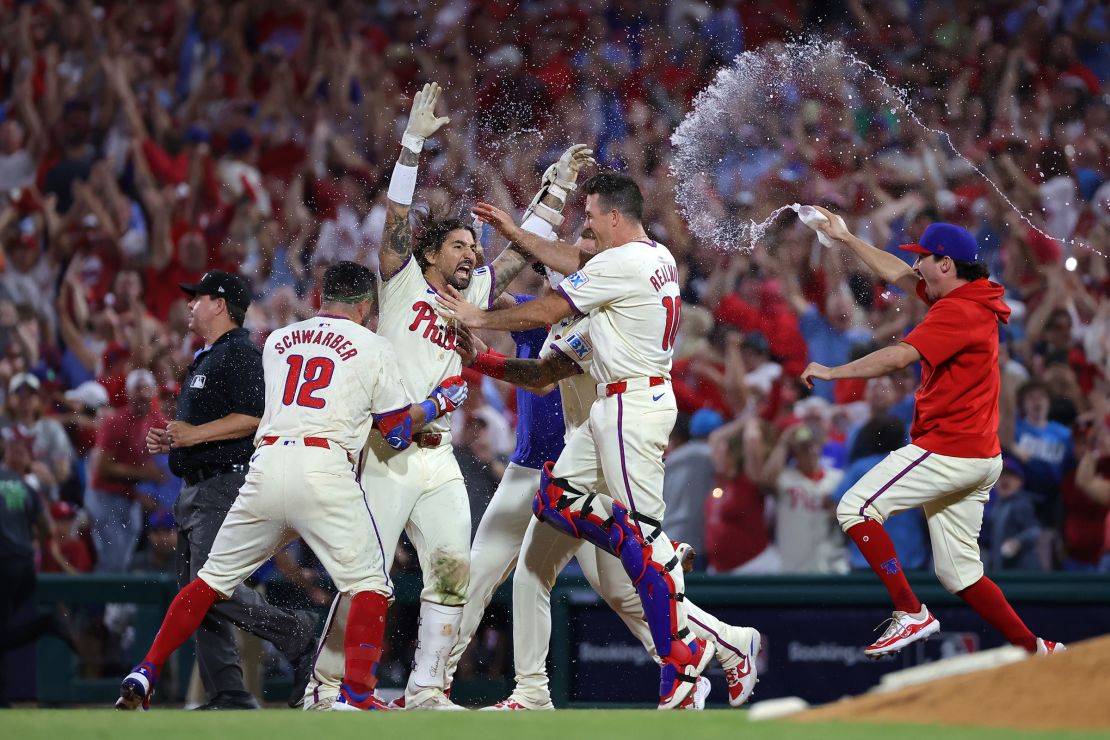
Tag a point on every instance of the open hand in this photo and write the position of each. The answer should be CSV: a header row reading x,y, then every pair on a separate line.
x,y
453,307
422,118
501,221
573,160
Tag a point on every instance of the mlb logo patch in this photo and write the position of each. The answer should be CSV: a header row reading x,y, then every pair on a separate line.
x,y
578,344
578,279
197,382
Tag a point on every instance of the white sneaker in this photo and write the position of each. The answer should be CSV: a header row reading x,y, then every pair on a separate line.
x,y
697,697
737,650
432,699
515,703
903,629
322,704
1048,647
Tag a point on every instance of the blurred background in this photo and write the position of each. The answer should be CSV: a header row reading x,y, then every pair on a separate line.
x,y
145,142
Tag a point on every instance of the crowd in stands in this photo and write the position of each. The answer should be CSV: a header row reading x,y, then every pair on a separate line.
x,y
143,143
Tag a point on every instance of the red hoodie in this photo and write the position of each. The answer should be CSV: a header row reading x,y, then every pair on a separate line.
x,y
956,411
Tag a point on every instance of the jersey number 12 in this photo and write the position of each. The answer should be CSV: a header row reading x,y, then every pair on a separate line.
x,y
674,318
316,373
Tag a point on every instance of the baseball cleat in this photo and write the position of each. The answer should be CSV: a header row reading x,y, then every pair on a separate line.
x,y
697,697
352,701
903,629
323,704
432,699
741,673
513,704
1048,647
137,688
679,674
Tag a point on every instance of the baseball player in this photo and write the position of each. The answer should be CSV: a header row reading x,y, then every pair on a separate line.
x,y
630,292
508,530
421,490
327,379
954,458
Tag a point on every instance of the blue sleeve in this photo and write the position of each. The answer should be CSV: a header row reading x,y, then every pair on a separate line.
x,y
530,342
812,323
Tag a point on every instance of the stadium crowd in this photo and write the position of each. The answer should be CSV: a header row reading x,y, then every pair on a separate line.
x,y
143,143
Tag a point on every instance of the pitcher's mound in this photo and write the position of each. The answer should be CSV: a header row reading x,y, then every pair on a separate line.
x,y
1066,691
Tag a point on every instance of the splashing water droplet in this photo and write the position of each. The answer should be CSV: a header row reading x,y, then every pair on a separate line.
x,y
713,144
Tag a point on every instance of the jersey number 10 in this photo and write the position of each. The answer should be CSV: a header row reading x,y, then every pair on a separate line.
x,y
316,373
674,318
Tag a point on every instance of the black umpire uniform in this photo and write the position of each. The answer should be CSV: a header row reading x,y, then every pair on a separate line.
x,y
226,378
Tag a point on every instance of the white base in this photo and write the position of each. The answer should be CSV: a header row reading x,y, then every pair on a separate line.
x,y
776,708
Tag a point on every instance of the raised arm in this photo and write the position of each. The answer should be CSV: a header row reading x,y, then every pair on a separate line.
x,y
887,266
556,254
396,242
543,215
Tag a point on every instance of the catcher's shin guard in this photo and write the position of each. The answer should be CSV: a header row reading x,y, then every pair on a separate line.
x,y
652,580
570,511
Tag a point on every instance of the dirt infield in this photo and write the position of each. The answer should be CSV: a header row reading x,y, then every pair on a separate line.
x,y
1068,691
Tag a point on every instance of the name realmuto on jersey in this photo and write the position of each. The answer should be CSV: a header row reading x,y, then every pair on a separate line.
x,y
442,336
332,339
663,275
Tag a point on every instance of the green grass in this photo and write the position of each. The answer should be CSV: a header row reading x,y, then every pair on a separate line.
x,y
170,724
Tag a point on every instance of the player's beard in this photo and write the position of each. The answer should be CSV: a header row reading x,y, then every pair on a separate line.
x,y
459,283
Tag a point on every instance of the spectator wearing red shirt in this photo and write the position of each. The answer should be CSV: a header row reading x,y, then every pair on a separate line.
x,y
736,535
118,463
954,458
1087,506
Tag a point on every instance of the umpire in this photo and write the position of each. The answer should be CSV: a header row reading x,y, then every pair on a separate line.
x,y
210,445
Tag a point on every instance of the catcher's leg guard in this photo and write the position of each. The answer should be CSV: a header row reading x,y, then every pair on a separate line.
x,y
570,511
683,658
652,581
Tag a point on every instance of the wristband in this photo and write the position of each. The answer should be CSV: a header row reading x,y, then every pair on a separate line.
x,y
548,214
533,224
558,191
491,364
431,410
402,184
412,142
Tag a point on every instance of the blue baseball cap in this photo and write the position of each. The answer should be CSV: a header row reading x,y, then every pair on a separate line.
x,y
704,422
946,240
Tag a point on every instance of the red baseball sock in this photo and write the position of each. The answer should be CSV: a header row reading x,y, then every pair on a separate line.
x,y
362,642
986,598
182,619
877,548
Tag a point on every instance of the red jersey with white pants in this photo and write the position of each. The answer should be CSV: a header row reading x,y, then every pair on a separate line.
x,y
956,410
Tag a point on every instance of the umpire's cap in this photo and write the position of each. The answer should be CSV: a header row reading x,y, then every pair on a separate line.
x,y
220,284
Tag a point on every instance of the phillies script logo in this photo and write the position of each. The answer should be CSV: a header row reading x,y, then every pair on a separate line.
x,y
442,336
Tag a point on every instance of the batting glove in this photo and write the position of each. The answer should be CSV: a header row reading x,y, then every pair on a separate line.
x,y
422,118
447,396
396,428
559,179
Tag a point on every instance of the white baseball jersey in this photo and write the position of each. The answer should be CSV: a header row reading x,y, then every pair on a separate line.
x,y
806,532
325,377
407,317
571,337
631,294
